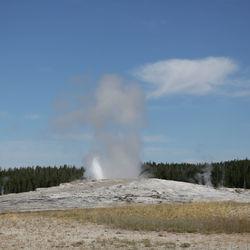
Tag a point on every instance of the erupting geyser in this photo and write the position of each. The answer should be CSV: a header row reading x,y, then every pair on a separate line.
x,y
113,112
96,169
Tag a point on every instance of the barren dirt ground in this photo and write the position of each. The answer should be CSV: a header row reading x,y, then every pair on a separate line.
x,y
32,232
22,231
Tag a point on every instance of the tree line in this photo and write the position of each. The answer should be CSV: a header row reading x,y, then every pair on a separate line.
x,y
233,174
26,179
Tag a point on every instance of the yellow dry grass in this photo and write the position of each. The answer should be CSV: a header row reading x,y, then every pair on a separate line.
x,y
204,217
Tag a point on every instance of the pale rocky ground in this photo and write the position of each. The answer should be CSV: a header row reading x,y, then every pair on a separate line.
x,y
111,192
33,232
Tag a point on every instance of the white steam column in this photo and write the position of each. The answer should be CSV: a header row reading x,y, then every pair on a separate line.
x,y
96,169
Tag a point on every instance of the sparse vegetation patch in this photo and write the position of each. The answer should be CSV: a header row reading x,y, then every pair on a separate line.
x,y
204,217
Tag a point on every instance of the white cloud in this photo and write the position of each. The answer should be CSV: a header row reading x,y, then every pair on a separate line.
x,y
154,150
32,117
71,135
32,153
155,139
182,76
45,69
3,113
241,93
194,160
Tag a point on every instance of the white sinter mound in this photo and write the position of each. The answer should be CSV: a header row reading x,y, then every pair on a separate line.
x,y
109,192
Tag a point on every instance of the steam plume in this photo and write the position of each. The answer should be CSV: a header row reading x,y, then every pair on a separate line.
x,y
96,169
115,112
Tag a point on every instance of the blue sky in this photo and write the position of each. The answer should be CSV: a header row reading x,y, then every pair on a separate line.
x,y
191,58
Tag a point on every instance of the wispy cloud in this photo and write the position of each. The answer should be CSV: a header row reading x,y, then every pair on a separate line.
x,y
155,139
194,160
242,93
71,135
18,153
45,69
153,150
32,116
3,113
198,77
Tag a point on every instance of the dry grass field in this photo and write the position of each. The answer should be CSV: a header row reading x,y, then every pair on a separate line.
x,y
214,225
203,217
